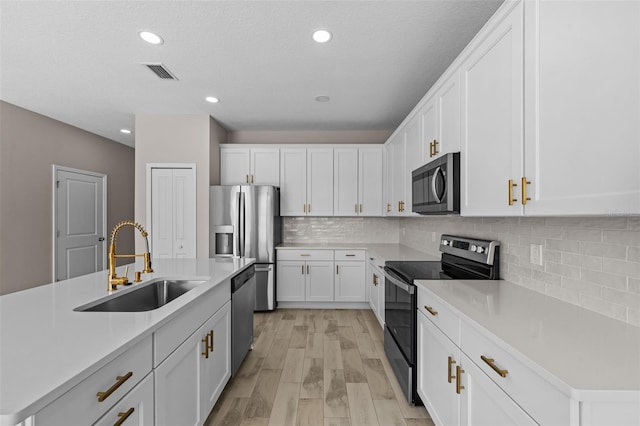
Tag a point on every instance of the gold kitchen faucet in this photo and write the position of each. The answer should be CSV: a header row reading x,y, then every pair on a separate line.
x,y
114,280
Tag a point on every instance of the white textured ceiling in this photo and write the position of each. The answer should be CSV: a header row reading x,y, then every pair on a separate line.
x,y
80,61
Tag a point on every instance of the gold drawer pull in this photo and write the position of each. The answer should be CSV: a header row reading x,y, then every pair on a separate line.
x,y
459,372
524,183
350,255
511,185
119,381
490,363
124,416
210,335
449,375
206,347
430,310
305,254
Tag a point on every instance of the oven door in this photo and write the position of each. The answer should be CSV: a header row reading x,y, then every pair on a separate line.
x,y
400,313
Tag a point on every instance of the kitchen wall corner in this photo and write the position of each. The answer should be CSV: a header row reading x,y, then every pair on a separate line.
x,y
217,135
593,262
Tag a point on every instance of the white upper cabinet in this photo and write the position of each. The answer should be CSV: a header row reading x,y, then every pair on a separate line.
x,y
320,182
492,108
306,182
345,181
440,117
582,97
357,181
413,160
256,166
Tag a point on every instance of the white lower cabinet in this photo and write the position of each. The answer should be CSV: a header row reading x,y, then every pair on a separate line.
x,y
189,381
135,409
314,276
375,284
454,390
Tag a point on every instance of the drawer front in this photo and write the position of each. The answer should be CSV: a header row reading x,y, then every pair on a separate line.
x,y
350,255
305,255
80,405
439,314
135,409
540,399
172,334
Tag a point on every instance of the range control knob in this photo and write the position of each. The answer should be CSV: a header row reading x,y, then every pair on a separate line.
x,y
480,250
445,242
473,248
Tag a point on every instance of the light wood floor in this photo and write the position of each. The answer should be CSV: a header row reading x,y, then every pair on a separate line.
x,y
316,367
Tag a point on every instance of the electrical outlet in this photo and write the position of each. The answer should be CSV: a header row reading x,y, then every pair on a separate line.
x,y
535,254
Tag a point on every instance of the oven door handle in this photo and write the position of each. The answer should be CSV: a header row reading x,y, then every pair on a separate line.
x,y
398,282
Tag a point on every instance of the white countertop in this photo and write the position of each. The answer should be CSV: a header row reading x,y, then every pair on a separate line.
x,y
46,348
383,252
578,350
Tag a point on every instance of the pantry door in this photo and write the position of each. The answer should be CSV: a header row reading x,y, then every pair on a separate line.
x,y
79,211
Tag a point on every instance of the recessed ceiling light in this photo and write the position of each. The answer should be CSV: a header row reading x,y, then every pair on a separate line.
x,y
150,37
125,131
212,99
322,98
321,36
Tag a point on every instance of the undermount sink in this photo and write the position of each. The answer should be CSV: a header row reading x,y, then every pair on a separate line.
x,y
147,298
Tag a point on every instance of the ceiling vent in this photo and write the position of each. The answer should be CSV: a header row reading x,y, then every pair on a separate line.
x,y
161,71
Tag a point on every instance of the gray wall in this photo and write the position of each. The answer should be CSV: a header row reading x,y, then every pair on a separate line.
x,y
326,136
217,135
29,145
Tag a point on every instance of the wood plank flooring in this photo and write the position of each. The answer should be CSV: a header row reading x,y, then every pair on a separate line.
x,y
316,367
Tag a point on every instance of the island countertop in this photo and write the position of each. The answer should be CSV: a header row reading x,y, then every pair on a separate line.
x,y
46,347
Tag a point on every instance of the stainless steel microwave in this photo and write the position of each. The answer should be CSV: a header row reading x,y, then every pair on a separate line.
x,y
436,186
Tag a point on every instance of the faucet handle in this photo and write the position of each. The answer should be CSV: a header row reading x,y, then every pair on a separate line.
x,y
125,278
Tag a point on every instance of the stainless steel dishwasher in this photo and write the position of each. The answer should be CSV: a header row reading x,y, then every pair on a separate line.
x,y
243,300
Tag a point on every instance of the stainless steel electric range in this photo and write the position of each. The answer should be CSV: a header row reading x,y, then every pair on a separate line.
x,y
462,259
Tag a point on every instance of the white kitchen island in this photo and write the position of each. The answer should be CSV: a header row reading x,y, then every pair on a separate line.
x,y
47,349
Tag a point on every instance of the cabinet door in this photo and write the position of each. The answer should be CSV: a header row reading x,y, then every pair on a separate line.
x,y
293,181
291,281
372,285
349,282
429,121
135,409
345,182
492,108
435,387
370,181
265,166
216,369
234,166
413,160
448,99
320,182
583,103
319,281
483,403
178,385
388,180
397,174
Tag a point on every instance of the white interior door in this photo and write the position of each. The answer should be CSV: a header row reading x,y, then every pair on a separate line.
x,y
80,222
173,212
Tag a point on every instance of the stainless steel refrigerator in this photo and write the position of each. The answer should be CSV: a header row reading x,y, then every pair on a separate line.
x,y
244,221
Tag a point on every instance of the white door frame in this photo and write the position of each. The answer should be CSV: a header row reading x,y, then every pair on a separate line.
x,y
150,167
54,186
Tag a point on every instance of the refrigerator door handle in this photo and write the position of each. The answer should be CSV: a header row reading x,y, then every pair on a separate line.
x,y
241,226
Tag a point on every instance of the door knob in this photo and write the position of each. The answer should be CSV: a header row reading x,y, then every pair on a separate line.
x,y
101,239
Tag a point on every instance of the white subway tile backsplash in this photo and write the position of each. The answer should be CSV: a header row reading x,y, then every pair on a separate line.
x,y
593,262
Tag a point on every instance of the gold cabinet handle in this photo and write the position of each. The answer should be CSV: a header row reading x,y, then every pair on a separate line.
x,y
375,279
524,182
122,417
511,186
308,208
360,208
449,375
491,363
304,208
302,268
350,255
431,310
337,270
210,335
388,207
119,381
458,378
246,178
356,207
307,269
251,178
305,254
206,346
435,147
430,149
